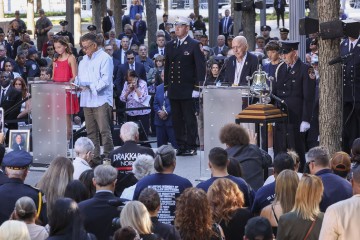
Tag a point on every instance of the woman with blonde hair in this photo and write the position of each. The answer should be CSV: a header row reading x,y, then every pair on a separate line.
x,y
285,189
14,230
135,215
25,211
305,219
193,217
54,181
226,202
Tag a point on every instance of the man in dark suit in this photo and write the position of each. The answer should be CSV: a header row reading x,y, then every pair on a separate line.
x,y
225,24
279,6
351,90
184,68
140,28
241,64
125,19
99,207
160,43
220,47
120,54
294,84
108,22
123,69
162,25
8,98
133,39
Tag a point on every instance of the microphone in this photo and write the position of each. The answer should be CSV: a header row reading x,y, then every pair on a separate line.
x,y
277,98
340,59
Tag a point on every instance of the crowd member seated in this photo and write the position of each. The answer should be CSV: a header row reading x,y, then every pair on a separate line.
x,y
17,165
258,228
266,194
97,212
151,199
220,46
84,150
124,157
169,185
335,187
133,39
218,161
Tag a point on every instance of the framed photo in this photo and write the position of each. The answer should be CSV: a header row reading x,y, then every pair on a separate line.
x,y
19,140
2,120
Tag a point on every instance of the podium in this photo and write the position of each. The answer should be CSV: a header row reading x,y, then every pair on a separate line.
x,y
48,121
220,107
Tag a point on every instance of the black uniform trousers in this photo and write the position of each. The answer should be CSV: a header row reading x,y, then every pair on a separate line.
x,y
351,123
184,123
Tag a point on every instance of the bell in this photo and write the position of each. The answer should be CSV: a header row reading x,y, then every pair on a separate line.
x,y
259,87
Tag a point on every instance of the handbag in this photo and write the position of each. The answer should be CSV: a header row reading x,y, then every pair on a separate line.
x,y
309,231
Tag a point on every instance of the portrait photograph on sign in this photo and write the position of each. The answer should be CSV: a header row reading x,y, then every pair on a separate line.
x,y
19,140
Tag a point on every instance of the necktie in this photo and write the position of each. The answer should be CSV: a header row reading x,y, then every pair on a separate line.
x,y
19,147
179,43
162,52
288,69
225,25
351,47
131,67
3,96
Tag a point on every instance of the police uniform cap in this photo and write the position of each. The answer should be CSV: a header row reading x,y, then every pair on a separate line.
x,y
341,162
91,27
265,28
314,59
172,30
182,21
64,23
284,30
288,46
31,51
17,160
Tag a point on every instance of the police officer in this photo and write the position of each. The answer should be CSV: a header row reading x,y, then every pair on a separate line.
x,y
64,32
184,68
32,67
295,84
284,32
92,29
16,165
265,32
351,89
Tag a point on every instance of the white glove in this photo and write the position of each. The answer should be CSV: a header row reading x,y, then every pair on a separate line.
x,y
165,94
195,94
304,126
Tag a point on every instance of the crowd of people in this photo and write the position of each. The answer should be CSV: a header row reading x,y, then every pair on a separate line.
x,y
132,192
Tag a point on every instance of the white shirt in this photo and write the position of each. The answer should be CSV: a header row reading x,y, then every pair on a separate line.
x,y
182,39
1,93
163,51
80,166
238,70
96,73
353,43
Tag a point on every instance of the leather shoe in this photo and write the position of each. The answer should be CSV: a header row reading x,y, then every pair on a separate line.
x,y
192,152
180,152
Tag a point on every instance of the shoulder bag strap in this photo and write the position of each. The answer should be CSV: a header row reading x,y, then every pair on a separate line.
x,y
309,231
273,211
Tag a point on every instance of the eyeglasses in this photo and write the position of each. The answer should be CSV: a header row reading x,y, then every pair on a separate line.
x,y
85,48
130,58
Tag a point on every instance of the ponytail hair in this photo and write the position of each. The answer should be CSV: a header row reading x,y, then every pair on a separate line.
x,y
165,158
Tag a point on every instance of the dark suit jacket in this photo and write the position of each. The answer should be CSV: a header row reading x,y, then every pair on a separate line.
x,y
125,20
216,49
158,104
250,66
140,30
228,24
282,5
184,68
122,73
12,97
106,24
134,39
3,177
98,214
116,64
162,26
155,51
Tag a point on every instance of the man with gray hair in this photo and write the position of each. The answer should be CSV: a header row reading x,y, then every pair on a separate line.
x,y
98,207
335,187
123,157
84,149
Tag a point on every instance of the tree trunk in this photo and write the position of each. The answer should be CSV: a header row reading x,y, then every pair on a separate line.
x,y
112,4
236,15
196,8
96,14
77,21
330,121
103,8
166,6
313,8
70,15
2,15
30,17
151,21
118,16
248,23
38,5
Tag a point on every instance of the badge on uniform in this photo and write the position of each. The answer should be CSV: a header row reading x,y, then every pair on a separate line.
x,y
185,42
186,53
33,66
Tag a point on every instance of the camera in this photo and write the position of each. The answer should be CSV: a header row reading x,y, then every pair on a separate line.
x,y
119,204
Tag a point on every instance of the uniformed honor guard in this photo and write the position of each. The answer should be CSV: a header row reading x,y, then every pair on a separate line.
x,y
16,165
350,47
92,29
295,84
184,68
65,32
